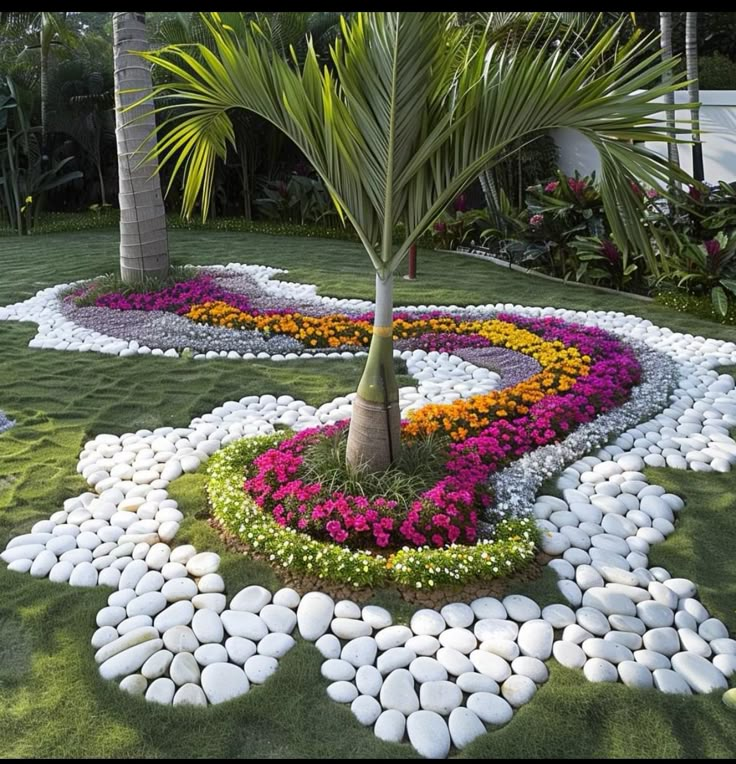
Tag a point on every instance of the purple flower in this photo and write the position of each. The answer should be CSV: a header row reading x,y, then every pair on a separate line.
x,y
610,251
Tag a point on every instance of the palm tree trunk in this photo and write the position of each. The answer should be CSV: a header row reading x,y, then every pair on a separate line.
x,y
44,102
665,25
693,89
143,242
375,427
103,201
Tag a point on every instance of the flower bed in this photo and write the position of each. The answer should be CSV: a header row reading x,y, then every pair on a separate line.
x,y
512,548
576,373
585,372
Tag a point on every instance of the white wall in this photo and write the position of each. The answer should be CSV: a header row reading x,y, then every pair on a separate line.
x,y
718,125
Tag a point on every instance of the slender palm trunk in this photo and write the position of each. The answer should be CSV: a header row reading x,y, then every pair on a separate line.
x,y
375,427
143,242
665,25
44,102
103,200
693,89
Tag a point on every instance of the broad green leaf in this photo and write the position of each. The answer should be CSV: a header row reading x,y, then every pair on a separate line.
x,y
720,301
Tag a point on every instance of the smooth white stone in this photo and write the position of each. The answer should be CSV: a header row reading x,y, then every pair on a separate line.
x,y
223,681
490,708
397,692
202,564
258,668
599,670
157,665
360,652
207,626
390,726
700,674
180,639
427,622
240,649
569,654
376,617
314,615
210,653
368,680
252,599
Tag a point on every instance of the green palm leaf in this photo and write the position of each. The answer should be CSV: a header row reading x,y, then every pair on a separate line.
x,y
415,109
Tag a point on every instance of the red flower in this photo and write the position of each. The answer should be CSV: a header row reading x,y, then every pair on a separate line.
x,y
550,187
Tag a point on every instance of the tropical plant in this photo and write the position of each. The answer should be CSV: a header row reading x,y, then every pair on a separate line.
x,y
599,261
559,212
456,224
716,72
144,249
24,175
707,268
415,109
81,108
48,28
300,199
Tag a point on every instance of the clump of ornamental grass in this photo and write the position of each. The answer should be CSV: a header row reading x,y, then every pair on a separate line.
x,y
419,465
111,283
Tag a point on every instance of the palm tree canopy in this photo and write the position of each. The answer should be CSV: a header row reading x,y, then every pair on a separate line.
x,y
413,110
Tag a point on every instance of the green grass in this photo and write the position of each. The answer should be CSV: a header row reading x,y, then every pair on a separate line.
x,y
52,702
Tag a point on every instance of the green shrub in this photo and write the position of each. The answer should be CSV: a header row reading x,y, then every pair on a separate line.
x,y
716,72
63,222
700,306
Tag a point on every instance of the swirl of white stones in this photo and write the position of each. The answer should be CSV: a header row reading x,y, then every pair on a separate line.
x,y
170,633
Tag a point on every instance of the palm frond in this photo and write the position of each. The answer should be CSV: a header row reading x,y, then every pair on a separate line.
x,y
415,108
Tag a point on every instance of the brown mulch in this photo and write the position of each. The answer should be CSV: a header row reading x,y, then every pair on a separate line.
x,y
436,598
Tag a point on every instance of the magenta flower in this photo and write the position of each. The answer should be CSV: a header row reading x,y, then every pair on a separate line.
x,y
448,512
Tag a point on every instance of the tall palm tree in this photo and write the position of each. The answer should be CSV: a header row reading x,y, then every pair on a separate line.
x,y
693,89
144,249
415,108
665,27
49,28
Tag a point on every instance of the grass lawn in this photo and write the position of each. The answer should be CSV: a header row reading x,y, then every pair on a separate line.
x,y
52,701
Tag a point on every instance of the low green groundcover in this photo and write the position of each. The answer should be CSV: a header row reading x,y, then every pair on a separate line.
x,y
512,549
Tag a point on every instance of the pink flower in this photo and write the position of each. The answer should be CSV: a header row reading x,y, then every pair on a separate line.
x,y
536,220
552,186
576,186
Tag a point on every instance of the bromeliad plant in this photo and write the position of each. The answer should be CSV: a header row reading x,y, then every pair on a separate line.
x,y
705,269
560,212
413,110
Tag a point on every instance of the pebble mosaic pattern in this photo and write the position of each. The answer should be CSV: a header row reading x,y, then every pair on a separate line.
x,y
172,632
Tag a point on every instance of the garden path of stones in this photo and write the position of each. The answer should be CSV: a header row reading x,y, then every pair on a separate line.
x,y
171,634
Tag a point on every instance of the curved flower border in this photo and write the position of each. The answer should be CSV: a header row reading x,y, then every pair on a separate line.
x,y
512,548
